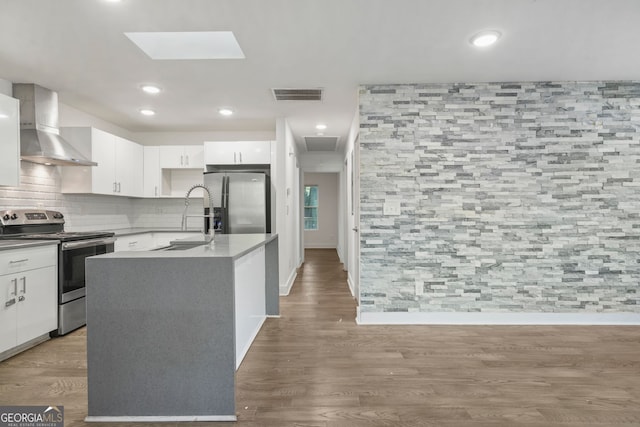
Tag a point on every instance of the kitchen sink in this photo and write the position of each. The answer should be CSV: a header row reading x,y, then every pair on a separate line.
x,y
180,247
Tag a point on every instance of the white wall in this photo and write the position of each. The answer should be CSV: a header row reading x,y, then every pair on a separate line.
x,y
321,162
6,87
352,220
327,234
286,175
69,116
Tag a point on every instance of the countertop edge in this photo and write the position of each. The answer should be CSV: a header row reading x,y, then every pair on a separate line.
x,y
121,232
9,244
268,239
229,246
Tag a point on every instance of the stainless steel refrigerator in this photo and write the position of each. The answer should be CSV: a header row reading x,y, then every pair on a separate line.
x,y
241,202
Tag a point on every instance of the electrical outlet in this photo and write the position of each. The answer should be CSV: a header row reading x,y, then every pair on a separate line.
x,y
391,207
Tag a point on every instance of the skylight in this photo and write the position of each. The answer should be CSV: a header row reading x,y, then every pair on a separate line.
x,y
188,45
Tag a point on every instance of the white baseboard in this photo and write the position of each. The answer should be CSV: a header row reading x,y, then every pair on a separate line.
x,y
320,246
351,286
155,419
453,318
286,288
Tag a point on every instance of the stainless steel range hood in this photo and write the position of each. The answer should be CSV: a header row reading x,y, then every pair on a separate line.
x,y
40,141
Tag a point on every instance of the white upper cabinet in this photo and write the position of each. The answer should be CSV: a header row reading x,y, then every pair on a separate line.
x,y
169,179
237,152
152,173
9,141
120,164
182,157
129,173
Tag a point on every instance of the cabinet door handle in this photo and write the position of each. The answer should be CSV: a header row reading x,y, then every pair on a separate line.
x,y
19,261
15,287
115,187
156,191
119,187
21,298
234,157
24,284
10,302
181,160
187,162
241,157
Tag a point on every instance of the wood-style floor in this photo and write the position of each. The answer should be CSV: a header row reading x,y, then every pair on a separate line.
x,y
314,367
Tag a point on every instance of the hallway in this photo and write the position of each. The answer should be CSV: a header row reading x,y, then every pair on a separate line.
x,y
314,366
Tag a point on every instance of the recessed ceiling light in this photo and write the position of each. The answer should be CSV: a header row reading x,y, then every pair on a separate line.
x,y
3,116
225,112
321,126
485,38
188,45
147,112
151,89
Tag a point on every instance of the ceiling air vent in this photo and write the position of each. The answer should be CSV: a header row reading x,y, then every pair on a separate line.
x,y
297,94
321,143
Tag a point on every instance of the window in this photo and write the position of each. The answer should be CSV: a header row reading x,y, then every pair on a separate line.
x,y
310,207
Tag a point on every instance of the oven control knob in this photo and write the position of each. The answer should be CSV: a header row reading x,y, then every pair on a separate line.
x,y
58,215
14,216
6,217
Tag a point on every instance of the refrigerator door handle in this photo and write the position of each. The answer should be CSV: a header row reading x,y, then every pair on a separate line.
x,y
224,192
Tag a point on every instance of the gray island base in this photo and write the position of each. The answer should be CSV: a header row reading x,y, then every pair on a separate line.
x,y
166,330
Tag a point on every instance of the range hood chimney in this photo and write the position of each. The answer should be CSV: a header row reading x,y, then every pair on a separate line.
x,y
40,140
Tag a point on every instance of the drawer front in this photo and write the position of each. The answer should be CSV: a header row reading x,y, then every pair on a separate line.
x,y
17,260
134,242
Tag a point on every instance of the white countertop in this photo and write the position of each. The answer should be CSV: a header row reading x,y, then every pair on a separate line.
x,y
223,245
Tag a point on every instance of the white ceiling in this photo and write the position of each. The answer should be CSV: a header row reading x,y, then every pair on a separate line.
x,y
78,48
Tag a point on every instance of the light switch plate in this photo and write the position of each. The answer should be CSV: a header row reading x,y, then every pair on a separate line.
x,y
391,207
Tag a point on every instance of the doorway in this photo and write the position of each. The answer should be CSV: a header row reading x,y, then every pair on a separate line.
x,y
320,211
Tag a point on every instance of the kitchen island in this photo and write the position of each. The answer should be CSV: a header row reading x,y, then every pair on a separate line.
x,y
166,330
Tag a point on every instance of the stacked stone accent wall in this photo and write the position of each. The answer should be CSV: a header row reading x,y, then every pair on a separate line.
x,y
515,197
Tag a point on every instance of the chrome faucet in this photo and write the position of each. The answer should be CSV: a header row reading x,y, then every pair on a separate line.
x,y
186,207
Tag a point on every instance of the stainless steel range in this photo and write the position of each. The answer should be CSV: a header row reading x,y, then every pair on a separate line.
x,y
73,249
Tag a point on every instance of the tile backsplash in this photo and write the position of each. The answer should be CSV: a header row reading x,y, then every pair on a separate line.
x,y
40,188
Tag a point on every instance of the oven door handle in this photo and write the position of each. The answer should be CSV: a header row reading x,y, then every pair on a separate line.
x,y
87,243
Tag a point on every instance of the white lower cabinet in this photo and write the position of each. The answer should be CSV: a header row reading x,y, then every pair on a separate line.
x,y
29,286
148,241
